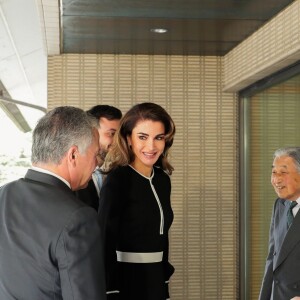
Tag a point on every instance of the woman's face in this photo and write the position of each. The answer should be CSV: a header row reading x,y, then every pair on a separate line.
x,y
147,142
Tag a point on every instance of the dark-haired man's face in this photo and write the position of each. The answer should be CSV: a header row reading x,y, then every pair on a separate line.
x,y
107,130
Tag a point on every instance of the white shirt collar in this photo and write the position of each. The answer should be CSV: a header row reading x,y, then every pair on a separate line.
x,y
51,173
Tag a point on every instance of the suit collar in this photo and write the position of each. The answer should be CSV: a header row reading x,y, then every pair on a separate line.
x,y
45,178
284,202
51,173
292,237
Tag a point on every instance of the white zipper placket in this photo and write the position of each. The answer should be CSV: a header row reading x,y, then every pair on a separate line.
x,y
161,230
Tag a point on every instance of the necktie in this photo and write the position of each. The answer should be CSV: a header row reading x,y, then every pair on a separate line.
x,y
290,216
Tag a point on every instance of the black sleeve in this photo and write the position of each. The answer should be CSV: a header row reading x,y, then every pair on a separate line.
x,y
168,268
79,256
109,213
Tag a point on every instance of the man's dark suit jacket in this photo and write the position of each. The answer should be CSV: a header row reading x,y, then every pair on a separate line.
x,y
89,195
282,272
50,243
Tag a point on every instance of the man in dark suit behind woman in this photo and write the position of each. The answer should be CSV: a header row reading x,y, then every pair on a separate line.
x,y
108,118
51,247
282,276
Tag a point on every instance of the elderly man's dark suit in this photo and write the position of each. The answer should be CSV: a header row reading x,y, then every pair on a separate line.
x,y
50,243
282,273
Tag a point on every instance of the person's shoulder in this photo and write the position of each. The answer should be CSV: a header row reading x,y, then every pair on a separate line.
x,y
159,171
117,176
55,205
119,171
161,176
10,189
9,185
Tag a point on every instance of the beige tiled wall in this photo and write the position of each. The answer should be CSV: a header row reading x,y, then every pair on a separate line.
x,y
204,235
273,47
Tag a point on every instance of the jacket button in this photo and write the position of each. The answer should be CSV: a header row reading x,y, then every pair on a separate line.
x,y
295,286
276,281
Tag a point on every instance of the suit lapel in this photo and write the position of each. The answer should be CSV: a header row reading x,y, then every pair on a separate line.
x,y
291,238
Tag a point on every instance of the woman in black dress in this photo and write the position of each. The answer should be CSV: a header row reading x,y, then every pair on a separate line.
x,y
135,209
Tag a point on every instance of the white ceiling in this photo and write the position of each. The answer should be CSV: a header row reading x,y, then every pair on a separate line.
x,y
24,50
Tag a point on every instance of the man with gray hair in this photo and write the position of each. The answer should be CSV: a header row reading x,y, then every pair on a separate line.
x,y
282,277
51,247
